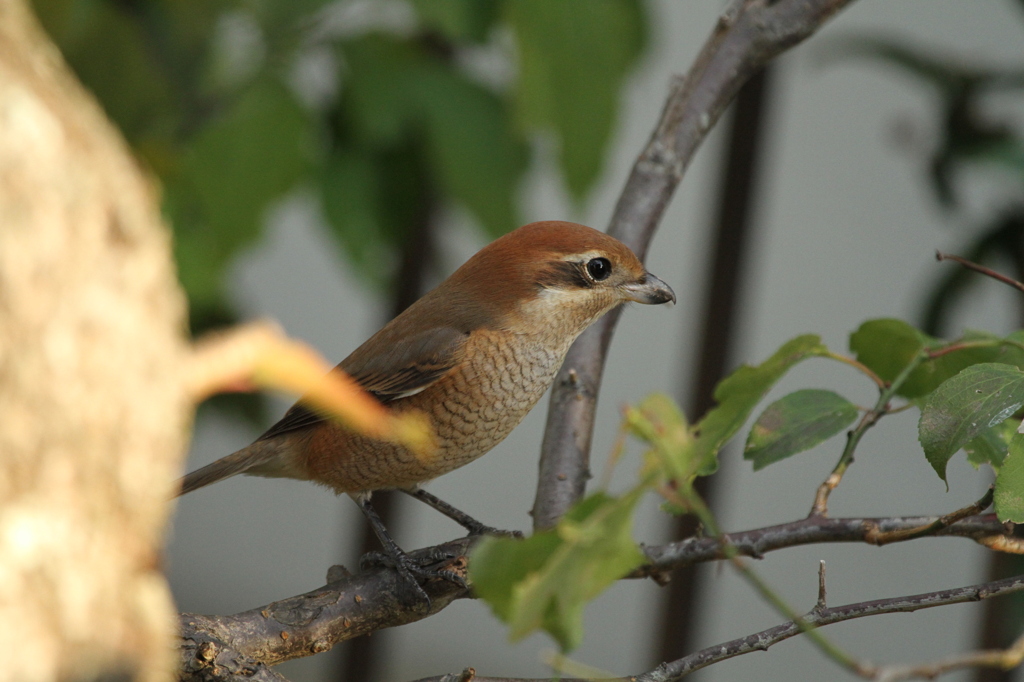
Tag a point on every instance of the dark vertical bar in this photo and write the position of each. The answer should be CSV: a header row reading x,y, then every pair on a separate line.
x,y
732,235
1001,622
1003,619
362,655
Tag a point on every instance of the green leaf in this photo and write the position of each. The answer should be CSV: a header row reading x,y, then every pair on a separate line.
x,y
659,422
1016,337
979,347
379,95
796,423
114,57
991,445
573,57
546,581
477,154
201,256
1009,492
236,167
396,94
350,187
282,15
499,564
888,345
458,20
976,399
738,393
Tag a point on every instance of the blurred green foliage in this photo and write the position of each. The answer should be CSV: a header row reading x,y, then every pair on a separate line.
x,y
400,121
970,135
967,134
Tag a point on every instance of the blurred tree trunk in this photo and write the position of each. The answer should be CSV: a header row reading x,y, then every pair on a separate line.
x,y
93,413
732,230
364,656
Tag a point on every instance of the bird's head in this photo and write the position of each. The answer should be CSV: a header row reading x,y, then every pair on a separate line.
x,y
556,275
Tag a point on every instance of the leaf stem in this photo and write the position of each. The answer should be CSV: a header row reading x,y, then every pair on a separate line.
x,y
965,345
878,537
870,418
860,366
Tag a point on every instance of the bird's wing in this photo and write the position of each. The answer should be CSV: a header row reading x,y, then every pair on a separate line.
x,y
390,369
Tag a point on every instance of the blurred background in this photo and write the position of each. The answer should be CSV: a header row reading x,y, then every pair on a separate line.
x,y
325,163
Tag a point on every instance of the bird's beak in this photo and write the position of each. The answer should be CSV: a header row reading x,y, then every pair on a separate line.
x,y
650,290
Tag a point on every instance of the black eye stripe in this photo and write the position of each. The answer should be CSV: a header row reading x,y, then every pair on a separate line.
x,y
560,274
578,274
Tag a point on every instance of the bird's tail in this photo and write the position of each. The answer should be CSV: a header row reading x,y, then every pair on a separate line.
x,y
254,456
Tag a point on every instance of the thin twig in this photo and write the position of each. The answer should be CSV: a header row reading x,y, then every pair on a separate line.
x,y
808,626
985,530
822,602
884,538
827,647
1005,659
761,641
747,36
966,345
870,418
971,265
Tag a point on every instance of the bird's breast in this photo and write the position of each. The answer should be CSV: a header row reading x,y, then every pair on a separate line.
x,y
472,409
476,406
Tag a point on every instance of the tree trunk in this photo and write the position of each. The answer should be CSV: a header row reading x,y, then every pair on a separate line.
x,y
93,411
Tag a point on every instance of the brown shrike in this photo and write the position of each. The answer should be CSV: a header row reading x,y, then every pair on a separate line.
x,y
474,355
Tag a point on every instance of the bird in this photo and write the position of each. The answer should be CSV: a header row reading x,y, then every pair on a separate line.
x,y
474,355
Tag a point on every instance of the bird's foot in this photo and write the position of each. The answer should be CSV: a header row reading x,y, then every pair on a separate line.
x,y
458,516
478,528
413,572
409,591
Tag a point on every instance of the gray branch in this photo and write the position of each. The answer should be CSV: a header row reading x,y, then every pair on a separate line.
x,y
760,641
818,617
809,531
229,648
747,36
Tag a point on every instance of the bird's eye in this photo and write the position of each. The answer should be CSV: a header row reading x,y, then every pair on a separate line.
x,y
599,268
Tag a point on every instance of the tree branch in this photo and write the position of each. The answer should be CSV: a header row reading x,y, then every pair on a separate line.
x,y
818,617
205,659
761,641
1005,659
747,36
346,607
217,647
817,530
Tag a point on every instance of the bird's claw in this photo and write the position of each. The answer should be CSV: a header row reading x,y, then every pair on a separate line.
x,y
441,573
481,529
412,572
410,591
425,569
